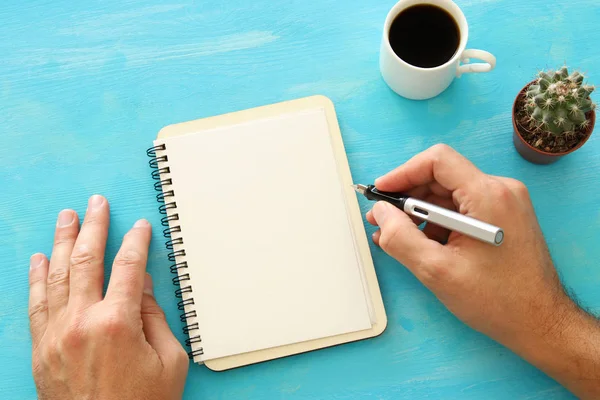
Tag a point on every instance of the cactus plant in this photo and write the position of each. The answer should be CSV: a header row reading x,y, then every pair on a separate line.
x,y
557,102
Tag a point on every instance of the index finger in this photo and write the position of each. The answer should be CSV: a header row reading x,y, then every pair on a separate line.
x,y
127,276
440,163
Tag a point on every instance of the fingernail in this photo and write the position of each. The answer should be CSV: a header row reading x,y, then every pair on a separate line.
x,y
376,180
142,223
36,260
376,236
148,285
65,218
95,202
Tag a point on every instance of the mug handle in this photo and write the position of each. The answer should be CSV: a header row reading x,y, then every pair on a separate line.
x,y
487,66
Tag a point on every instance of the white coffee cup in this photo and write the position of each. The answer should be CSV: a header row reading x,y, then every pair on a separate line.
x,y
419,83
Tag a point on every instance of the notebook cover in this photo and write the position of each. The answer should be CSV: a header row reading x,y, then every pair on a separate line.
x,y
307,103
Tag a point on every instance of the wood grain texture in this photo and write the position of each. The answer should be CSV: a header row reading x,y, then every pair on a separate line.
x,y
85,87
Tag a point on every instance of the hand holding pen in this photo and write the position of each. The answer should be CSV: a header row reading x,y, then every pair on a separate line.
x,y
437,215
507,292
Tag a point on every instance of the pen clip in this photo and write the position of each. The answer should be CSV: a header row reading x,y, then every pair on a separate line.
x,y
395,198
387,195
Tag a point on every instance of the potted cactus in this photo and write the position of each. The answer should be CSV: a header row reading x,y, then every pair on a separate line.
x,y
553,116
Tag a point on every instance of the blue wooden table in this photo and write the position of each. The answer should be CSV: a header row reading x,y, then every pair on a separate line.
x,y
85,86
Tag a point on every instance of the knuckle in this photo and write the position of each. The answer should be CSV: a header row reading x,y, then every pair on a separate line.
x,y
389,237
57,277
129,258
465,200
435,270
37,275
82,257
38,308
154,311
65,235
459,195
50,351
114,325
522,188
500,190
92,218
63,238
519,188
74,336
441,149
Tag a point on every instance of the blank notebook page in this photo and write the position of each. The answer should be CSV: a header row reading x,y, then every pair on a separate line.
x,y
267,237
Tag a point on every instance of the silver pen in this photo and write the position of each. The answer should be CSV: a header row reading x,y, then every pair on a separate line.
x,y
450,220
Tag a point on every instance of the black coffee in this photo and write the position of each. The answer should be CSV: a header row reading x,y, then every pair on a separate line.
x,y
424,35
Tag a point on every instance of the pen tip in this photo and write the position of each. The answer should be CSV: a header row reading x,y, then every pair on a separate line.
x,y
360,188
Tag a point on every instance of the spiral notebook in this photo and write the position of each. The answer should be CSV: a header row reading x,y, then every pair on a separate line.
x,y
266,236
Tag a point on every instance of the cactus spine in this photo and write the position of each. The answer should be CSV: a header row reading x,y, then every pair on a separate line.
x,y
557,102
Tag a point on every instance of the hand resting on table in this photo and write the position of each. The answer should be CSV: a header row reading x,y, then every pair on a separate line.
x,y
86,346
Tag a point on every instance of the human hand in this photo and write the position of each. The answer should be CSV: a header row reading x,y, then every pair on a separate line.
x,y
86,346
511,293
497,290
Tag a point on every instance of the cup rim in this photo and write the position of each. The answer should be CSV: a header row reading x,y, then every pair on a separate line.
x,y
445,4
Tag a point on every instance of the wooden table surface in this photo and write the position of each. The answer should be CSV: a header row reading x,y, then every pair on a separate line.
x,y
85,86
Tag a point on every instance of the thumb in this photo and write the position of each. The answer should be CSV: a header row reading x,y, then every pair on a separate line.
x,y
157,331
403,240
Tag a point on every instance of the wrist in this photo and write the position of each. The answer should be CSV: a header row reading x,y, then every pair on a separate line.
x,y
565,343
